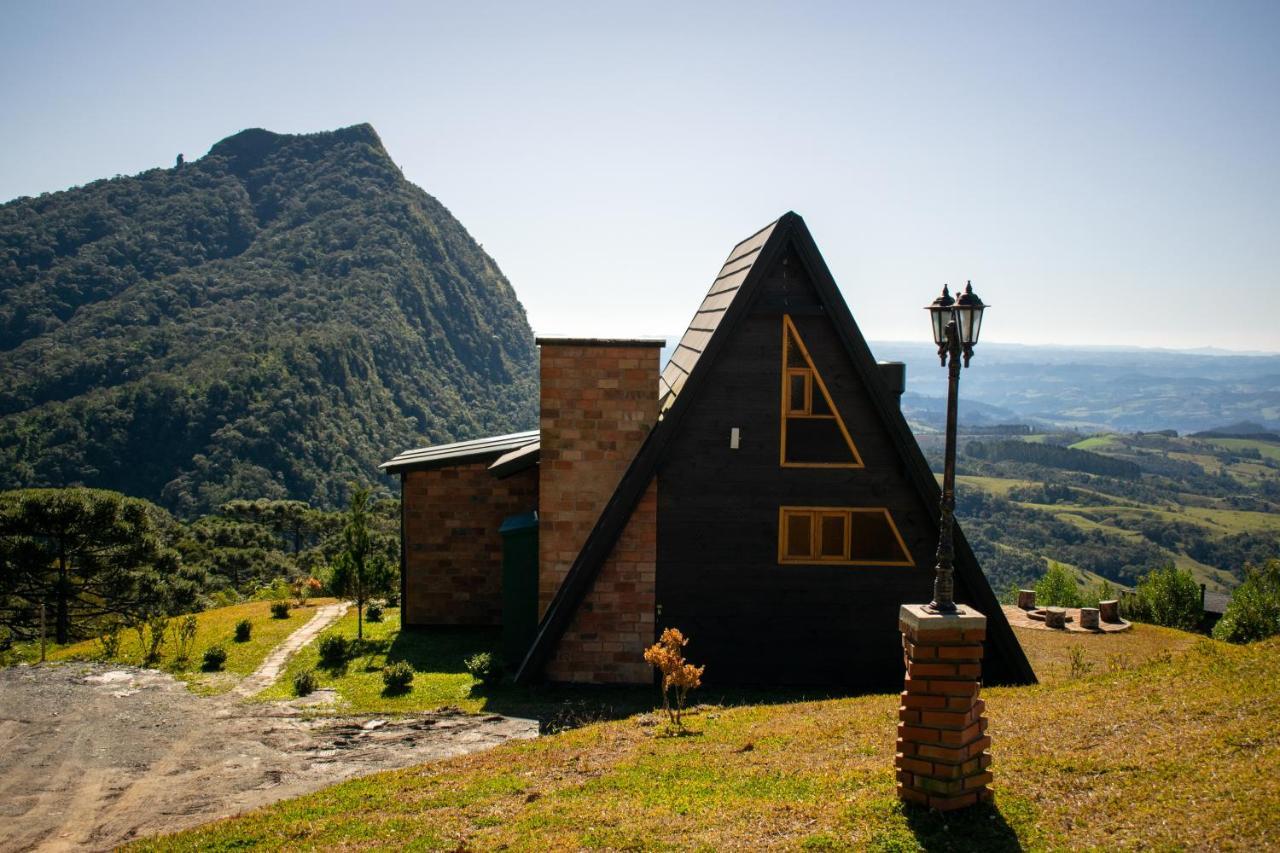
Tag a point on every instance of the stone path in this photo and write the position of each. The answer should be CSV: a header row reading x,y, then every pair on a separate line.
x,y
266,674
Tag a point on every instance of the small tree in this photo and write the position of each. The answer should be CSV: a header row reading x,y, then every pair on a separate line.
x,y
678,676
1167,596
360,571
1254,611
1058,587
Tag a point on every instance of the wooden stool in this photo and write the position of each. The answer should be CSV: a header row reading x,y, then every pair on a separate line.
x,y
1109,610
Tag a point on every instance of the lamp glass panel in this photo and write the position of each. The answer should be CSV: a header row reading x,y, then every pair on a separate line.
x,y
939,317
962,320
977,326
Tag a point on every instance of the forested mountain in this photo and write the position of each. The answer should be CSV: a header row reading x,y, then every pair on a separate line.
x,y
270,320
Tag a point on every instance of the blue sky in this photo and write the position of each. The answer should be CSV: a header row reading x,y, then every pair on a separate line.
x,y
1106,174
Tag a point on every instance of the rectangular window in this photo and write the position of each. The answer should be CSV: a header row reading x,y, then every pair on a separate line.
x,y
799,534
798,392
833,539
850,536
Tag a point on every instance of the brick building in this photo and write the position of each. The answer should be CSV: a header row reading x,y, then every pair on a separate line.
x,y
762,493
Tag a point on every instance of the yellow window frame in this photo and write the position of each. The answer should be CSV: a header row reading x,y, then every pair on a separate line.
x,y
813,555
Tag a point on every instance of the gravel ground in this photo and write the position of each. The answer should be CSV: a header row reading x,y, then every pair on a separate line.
x,y
94,755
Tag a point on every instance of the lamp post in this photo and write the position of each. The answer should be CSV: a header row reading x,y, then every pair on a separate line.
x,y
956,324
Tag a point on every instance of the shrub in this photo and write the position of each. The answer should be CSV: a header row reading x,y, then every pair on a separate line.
x,y
304,588
334,649
1100,591
397,676
277,590
678,676
244,628
483,667
279,610
1080,667
109,640
157,627
186,634
1057,588
373,613
305,683
1166,596
214,658
393,599
1254,611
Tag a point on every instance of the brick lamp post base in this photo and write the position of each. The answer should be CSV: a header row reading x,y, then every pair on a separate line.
x,y
942,759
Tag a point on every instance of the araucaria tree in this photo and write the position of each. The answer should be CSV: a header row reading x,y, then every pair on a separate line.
x,y
361,570
86,554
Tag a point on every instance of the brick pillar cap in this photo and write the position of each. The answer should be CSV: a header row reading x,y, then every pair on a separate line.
x,y
564,340
919,619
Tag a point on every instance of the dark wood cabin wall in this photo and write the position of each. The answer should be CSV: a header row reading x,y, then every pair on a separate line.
x,y
750,619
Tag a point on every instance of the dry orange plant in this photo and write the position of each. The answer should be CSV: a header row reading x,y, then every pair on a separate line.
x,y
678,675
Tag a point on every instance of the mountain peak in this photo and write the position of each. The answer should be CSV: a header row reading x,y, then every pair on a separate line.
x,y
250,147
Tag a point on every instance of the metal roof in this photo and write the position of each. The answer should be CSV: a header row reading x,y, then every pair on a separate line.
x,y
514,461
441,455
706,320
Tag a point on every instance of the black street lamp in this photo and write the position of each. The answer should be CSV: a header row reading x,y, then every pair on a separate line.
x,y
956,324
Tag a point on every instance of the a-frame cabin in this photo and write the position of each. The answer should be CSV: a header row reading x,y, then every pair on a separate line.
x,y
779,510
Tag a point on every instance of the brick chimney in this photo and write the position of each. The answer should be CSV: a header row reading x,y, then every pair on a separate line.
x,y
599,399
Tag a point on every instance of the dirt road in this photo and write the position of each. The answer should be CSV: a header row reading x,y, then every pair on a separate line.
x,y
93,755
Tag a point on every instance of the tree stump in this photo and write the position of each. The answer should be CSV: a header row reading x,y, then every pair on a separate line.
x,y
1089,618
1027,599
1109,610
1055,617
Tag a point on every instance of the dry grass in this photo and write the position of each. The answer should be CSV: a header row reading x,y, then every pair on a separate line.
x,y
1180,749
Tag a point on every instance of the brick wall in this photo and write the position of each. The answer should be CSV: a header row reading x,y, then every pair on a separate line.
x,y
605,641
598,402
452,549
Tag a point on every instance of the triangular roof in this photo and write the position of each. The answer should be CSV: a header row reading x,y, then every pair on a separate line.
x,y
727,302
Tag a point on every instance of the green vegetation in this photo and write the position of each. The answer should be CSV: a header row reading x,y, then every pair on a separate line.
x,y
90,557
1254,611
354,668
1166,596
1209,506
213,627
360,570
99,560
1052,456
1058,588
269,320
1112,759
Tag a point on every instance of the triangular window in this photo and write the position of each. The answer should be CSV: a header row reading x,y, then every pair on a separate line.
x,y
813,433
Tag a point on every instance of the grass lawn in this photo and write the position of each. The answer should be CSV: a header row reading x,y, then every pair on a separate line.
x,y
1050,652
436,656
1179,749
214,627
